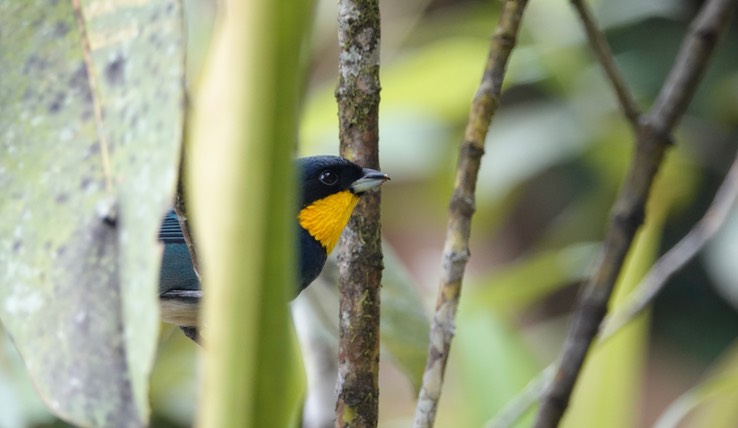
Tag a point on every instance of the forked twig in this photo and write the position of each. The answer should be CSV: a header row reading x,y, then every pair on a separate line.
x,y
652,140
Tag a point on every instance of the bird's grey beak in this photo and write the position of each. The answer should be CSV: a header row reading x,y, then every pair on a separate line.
x,y
371,180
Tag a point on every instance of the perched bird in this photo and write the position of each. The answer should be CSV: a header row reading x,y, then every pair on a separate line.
x,y
330,187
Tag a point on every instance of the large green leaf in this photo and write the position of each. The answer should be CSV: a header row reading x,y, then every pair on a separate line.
x,y
91,126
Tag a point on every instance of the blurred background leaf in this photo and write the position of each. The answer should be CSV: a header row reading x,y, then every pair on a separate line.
x,y
712,400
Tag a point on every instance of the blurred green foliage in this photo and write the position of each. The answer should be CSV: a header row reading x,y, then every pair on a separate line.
x,y
556,154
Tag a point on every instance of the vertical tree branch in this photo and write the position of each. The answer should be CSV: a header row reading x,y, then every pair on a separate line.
x,y
360,256
461,209
653,138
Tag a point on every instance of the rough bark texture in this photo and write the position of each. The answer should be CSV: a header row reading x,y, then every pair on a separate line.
x,y
652,140
461,209
360,256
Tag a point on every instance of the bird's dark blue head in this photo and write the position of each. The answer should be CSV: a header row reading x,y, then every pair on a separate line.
x,y
323,176
331,187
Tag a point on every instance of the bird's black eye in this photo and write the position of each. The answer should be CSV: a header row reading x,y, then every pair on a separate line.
x,y
328,177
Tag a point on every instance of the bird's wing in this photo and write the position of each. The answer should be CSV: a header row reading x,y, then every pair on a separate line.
x,y
177,272
170,232
179,287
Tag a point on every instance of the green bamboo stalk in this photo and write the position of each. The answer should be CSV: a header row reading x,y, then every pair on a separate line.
x,y
243,192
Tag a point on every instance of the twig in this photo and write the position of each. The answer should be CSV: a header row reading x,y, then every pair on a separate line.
x,y
360,254
191,332
602,50
677,256
461,209
653,138
179,200
642,296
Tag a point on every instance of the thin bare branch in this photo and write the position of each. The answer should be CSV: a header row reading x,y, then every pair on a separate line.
x,y
604,55
461,209
653,139
690,64
360,255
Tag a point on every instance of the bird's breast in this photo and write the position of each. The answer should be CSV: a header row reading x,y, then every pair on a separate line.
x,y
325,218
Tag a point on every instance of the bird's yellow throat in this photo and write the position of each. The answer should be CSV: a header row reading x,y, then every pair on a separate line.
x,y
325,218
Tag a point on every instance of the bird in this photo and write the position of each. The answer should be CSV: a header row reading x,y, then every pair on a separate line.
x,y
330,188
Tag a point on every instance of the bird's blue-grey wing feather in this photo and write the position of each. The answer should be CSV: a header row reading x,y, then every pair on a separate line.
x,y
179,287
177,272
